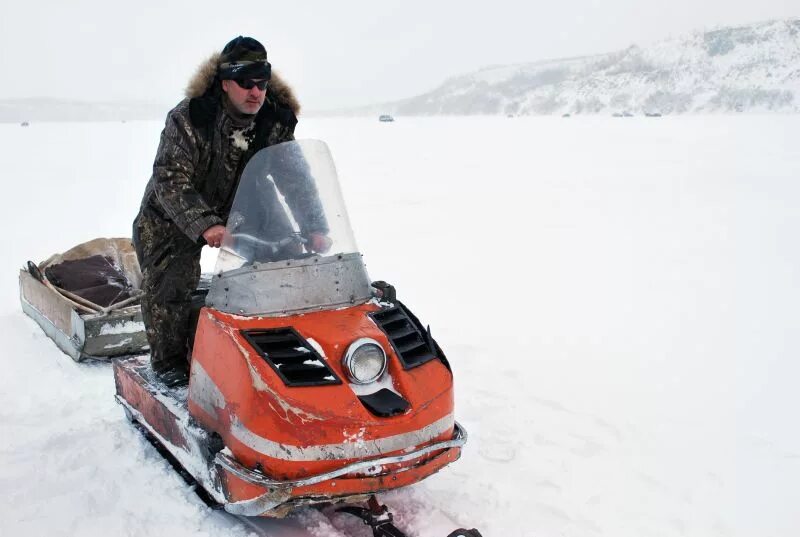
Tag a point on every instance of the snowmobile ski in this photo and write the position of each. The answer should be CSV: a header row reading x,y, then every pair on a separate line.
x,y
380,520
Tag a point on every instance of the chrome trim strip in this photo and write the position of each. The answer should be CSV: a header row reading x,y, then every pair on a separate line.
x,y
258,505
357,448
280,491
256,478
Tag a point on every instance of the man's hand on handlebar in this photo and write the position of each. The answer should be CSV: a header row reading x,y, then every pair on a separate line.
x,y
213,235
318,243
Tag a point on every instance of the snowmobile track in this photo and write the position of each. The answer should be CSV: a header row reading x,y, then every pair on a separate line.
x,y
260,526
283,527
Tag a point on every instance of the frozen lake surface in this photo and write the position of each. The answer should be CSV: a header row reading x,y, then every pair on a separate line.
x,y
618,298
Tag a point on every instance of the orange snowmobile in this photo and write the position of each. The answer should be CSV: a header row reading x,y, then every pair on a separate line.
x,y
308,384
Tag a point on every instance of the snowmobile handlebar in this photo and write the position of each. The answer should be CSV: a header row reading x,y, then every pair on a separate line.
x,y
255,249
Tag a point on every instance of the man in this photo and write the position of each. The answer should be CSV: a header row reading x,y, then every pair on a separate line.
x,y
235,106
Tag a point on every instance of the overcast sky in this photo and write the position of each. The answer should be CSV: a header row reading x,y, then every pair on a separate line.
x,y
336,53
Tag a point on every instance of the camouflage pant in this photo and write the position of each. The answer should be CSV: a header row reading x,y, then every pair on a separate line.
x,y
170,264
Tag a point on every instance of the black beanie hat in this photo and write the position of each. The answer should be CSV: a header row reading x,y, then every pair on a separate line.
x,y
242,58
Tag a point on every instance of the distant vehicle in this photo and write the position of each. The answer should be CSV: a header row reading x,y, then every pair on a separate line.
x,y
652,114
627,114
385,118
617,114
24,124
565,115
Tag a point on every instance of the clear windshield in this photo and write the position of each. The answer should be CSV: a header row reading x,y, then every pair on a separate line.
x,y
288,206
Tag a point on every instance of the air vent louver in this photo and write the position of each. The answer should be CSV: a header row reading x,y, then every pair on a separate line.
x,y
292,358
408,340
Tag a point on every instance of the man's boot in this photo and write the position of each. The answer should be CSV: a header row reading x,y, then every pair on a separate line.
x,y
172,374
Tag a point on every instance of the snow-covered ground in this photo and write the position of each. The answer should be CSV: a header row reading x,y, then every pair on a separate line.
x,y
618,298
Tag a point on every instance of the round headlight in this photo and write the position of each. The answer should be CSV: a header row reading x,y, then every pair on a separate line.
x,y
365,361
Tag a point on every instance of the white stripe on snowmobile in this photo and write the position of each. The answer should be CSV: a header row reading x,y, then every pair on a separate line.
x,y
204,392
208,396
356,448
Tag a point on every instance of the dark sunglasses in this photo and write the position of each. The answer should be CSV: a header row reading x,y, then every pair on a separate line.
x,y
250,84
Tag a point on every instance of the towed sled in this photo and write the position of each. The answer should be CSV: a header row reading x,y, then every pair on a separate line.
x,y
86,299
308,384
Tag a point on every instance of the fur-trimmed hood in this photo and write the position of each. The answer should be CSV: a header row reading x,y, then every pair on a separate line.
x,y
278,91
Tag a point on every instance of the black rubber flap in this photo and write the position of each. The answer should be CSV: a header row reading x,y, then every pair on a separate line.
x,y
384,403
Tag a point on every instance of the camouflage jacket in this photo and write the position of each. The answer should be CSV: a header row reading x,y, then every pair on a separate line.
x,y
202,153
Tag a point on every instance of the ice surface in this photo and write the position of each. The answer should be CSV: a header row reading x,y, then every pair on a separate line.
x,y
618,300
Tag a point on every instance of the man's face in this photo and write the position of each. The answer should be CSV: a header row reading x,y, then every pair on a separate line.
x,y
246,101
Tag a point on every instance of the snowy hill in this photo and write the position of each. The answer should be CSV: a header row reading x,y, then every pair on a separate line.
x,y
753,68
